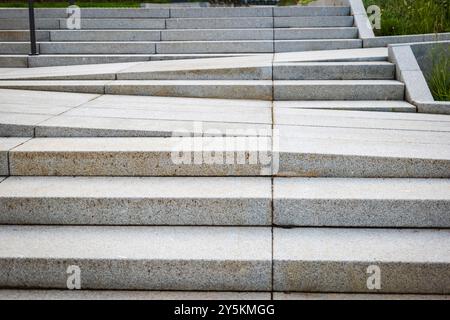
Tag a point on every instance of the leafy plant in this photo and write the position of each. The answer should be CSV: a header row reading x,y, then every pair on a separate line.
x,y
439,77
400,17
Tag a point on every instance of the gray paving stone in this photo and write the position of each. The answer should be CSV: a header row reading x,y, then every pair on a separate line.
x,y
364,134
371,54
73,86
338,90
336,260
314,45
355,296
333,71
72,126
313,21
105,35
220,89
216,34
343,202
19,124
15,47
220,12
388,106
315,33
248,46
138,258
6,144
315,157
81,59
136,201
136,47
126,23
129,295
358,119
11,61
181,156
219,23
46,99
23,35
22,24
300,11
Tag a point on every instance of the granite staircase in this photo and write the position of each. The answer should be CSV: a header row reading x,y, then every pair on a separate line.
x,y
279,175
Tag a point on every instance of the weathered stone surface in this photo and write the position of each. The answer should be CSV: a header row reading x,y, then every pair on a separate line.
x,y
315,157
6,144
367,105
249,156
219,23
218,89
313,21
315,33
355,296
136,201
75,86
338,90
333,71
138,258
216,34
336,260
129,295
415,203
105,35
315,45
136,47
247,46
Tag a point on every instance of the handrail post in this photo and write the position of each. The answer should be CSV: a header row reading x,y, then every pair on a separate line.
x,y
32,28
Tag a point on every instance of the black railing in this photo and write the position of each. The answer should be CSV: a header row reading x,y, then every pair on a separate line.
x,y
32,23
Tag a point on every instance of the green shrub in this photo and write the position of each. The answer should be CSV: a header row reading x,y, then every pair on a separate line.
x,y
439,77
400,17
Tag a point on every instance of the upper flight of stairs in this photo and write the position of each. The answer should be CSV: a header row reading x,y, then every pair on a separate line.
x,y
349,175
119,35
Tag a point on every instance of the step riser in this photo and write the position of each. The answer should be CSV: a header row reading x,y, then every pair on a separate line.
x,y
216,34
87,13
98,35
308,22
192,259
223,23
214,47
97,48
305,45
315,33
338,92
351,260
334,72
22,24
132,207
23,36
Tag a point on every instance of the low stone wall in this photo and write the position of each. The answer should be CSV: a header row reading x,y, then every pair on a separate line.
x,y
413,62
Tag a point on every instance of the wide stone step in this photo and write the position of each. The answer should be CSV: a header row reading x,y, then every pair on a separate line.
x,y
137,258
105,35
219,89
135,47
315,21
399,203
22,35
351,260
350,105
315,33
136,201
302,11
88,13
241,46
334,71
334,157
220,12
219,23
176,156
126,23
14,48
315,45
22,24
338,90
53,294
6,144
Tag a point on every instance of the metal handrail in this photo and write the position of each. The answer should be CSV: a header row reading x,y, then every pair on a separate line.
x,y
32,24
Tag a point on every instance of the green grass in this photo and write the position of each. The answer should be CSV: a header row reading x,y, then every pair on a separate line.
x,y
80,3
439,77
401,17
